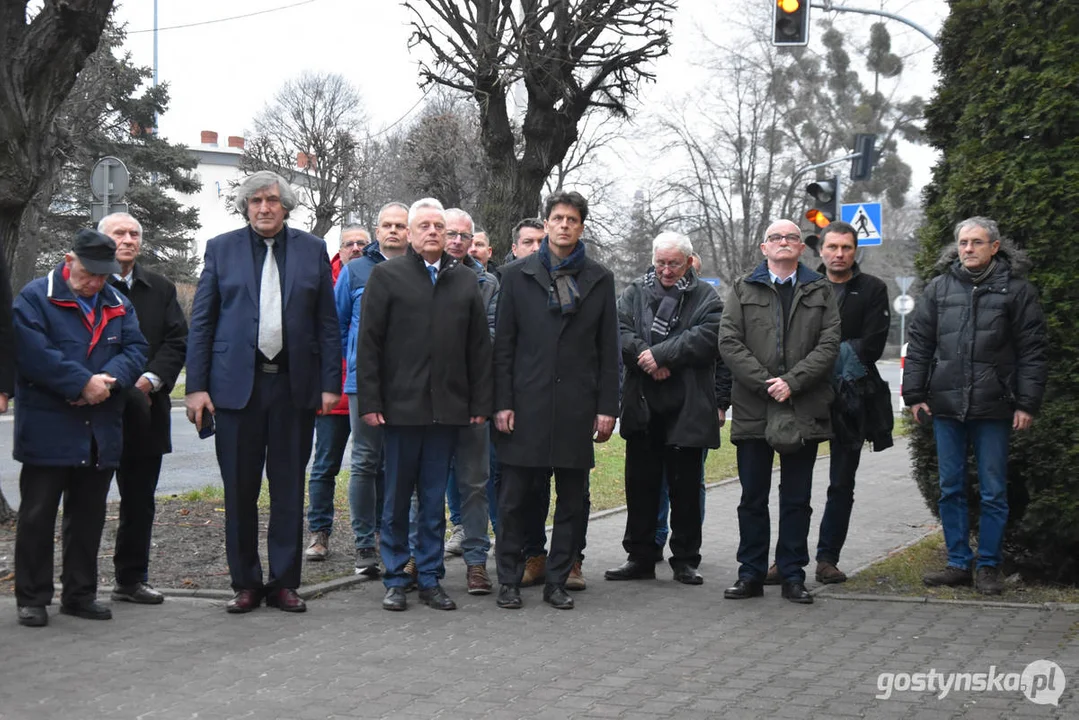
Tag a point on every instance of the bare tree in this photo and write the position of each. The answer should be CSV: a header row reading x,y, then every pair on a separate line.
x,y
307,134
39,60
571,56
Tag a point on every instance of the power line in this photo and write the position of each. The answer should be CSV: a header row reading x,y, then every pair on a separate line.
x,y
221,20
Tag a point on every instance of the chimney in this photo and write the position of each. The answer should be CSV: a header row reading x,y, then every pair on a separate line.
x,y
209,137
235,141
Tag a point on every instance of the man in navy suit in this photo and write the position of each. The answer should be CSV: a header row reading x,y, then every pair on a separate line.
x,y
263,355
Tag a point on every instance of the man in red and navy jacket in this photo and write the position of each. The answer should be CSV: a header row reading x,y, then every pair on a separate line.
x,y
77,347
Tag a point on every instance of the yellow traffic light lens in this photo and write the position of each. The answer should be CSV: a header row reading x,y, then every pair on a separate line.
x,y
789,6
817,218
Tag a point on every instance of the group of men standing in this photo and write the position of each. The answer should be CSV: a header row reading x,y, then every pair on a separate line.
x,y
410,344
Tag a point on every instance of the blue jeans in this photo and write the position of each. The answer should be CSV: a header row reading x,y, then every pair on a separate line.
x,y
472,464
453,489
331,437
662,524
755,459
417,461
842,467
990,441
366,485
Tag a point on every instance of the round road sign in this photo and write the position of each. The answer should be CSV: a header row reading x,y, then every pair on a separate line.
x,y
903,304
117,175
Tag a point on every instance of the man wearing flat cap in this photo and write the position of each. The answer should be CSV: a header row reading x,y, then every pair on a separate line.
x,y
77,348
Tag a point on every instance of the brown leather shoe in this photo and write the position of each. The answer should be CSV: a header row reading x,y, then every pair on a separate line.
x,y
575,581
772,578
319,547
950,576
286,599
244,601
829,574
479,583
535,571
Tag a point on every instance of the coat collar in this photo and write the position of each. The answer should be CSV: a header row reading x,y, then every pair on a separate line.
x,y
803,275
59,293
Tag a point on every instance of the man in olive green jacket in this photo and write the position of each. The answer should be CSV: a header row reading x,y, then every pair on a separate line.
x,y
780,337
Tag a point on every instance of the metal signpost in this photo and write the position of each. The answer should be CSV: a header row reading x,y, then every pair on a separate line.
x,y
903,305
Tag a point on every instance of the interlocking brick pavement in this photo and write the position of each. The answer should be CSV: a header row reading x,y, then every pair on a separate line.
x,y
649,649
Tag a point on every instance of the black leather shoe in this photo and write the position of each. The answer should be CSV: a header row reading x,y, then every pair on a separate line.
x,y
744,589
557,597
33,616
395,599
437,598
286,599
796,592
688,575
244,601
509,597
141,593
632,570
88,610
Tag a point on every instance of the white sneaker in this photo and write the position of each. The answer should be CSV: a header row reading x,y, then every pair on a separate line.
x,y
457,538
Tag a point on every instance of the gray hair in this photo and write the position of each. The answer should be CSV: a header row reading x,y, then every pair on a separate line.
x,y
388,206
457,213
427,202
353,226
260,181
108,220
674,241
990,226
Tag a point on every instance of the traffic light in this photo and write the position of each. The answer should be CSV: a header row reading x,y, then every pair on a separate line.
x,y
861,167
791,23
825,194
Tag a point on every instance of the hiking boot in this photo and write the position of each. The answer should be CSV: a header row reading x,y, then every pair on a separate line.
x,y
535,571
319,547
457,539
987,581
829,574
413,575
479,583
772,578
950,576
575,581
367,562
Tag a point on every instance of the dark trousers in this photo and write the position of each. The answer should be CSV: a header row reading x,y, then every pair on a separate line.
x,y
795,485
648,459
84,491
136,480
417,461
836,519
535,531
516,506
269,433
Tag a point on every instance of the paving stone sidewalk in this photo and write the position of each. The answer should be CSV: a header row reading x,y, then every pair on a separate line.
x,y
652,649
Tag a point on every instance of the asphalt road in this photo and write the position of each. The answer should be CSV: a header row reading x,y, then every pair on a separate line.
x,y
193,465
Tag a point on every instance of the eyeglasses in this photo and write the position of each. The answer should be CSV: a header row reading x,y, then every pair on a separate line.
x,y
790,237
354,243
453,234
672,266
973,243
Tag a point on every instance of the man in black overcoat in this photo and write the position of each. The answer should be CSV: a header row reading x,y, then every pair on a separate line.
x,y
148,408
556,388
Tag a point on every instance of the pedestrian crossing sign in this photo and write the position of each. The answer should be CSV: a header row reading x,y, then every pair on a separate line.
x,y
865,217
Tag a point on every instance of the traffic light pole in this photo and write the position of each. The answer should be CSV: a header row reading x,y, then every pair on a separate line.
x,y
828,6
803,170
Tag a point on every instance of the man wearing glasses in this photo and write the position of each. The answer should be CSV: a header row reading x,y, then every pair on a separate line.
x,y
976,368
669,325
332,429
779,337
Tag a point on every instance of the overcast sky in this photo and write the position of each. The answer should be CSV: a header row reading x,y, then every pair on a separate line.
x,y
233,56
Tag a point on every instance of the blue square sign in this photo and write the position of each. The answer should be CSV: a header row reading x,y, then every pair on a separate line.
x,y
865,217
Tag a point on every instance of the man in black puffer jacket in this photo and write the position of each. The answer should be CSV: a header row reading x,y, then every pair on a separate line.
x,y
976,365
